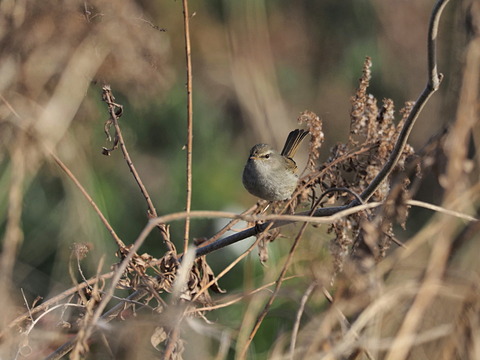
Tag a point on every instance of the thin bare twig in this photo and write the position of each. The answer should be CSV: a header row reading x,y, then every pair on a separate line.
x,y
34,322
73,277
188,55
26,304
45,305
152,212
442,210
237,299
84,192
296,325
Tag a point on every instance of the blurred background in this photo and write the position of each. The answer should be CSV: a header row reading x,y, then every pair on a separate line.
x,y
256,65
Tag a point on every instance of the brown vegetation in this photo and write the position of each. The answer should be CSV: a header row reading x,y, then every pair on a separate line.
x,y
371,295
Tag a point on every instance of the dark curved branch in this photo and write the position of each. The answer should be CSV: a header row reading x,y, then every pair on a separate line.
x,y
434,79
254,230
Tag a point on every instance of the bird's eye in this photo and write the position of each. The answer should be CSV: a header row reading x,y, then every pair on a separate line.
x,y
267,156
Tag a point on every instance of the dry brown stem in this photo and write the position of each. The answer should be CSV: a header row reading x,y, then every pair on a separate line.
x,y
189,145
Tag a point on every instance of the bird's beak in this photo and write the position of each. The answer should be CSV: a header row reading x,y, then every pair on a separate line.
x,y
253,158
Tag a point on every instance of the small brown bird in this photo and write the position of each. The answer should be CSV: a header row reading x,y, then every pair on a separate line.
x,y
270,175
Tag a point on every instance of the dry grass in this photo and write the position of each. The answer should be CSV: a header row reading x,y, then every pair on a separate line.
x,y
369,296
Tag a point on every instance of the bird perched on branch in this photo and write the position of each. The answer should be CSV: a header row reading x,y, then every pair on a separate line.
x,y
271,175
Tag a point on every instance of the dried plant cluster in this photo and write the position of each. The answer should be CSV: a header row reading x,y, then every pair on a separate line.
x,y
419,300
348,170
354,165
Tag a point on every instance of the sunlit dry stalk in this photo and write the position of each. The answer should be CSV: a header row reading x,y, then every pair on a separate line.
x,y
180,284
188,55
13,237
59,111
455,179
454,183
13,232
442,210
338,213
